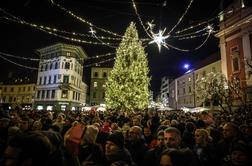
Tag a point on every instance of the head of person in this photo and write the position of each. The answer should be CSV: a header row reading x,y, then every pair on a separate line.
x,y
175,157
114,143
24,124
172,137
30,148
90,134
37,125
202,137
146,131
230,130
135,133
241,154
160,138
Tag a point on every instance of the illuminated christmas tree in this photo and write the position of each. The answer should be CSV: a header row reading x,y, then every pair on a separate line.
x,y
127,88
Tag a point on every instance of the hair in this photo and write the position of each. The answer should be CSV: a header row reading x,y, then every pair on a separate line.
x,y
173,130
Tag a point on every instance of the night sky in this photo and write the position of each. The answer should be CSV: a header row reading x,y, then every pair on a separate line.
x,y
112,15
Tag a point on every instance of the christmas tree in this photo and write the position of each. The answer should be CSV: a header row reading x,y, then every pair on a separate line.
x,y
127,88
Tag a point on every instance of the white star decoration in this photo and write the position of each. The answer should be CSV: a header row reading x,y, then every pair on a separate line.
x,y
92,31
159,39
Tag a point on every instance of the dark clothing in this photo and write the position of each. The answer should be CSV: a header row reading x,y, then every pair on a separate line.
x,y
152,156
91,152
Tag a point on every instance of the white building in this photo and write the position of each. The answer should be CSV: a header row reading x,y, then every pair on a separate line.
x,y
164,90
59,82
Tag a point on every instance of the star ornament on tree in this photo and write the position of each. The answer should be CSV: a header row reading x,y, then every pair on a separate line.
x,y
159,39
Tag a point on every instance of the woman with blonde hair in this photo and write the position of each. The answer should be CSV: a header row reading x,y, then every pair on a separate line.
x,y
203,147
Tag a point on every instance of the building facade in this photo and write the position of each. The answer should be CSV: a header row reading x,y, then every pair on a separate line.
x,y
59,81
182,89
99,77
18,95
185,90
235,39
164,90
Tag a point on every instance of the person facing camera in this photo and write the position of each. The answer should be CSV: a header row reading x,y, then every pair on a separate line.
x,y
115,150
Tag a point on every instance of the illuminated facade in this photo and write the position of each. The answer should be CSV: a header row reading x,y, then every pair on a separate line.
x,y
18,95
99,77
236,44
59,82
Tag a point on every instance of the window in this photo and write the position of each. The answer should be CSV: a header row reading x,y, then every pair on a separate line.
x,y
24,89
95,74
47,94
49,80
19,89
183,90
190,89
43,94
53,94
54,79
189,79
56,65
95,84
104,75
67,65
5,89
235,58
40,80
103,95
12,89
46,66
51,66
29,88
73,94
235,64
64,94
44,80
65,79
38,94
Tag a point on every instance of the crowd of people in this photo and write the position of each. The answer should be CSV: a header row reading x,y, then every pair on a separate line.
x,y
117,138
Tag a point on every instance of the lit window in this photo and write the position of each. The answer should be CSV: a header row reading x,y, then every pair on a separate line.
x,y
95,84
64,94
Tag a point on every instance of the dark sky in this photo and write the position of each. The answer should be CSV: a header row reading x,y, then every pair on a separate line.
x,y
113,15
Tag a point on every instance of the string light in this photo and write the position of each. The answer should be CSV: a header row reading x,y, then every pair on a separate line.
x,y
18,64
18,57
98,63
83,20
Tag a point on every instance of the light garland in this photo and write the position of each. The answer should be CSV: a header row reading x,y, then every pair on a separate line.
x,y
18,57
18,64
98,63
83,20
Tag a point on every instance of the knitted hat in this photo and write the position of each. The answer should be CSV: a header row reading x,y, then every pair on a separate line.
x,y
117,138
91,133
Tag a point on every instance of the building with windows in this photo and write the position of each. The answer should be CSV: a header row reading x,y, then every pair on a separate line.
x,y
164,90
235,39
182,89
17,95
99,77
185,90
59,81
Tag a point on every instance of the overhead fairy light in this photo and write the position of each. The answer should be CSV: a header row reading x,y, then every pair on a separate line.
x,y
92,31
159,39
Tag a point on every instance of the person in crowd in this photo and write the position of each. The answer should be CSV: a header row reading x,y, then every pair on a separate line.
x,y
151,157
136,144
37,125
172,138
29,149
188,135
241,155
176,157
90,151
115,151
147,136
203,147
230,136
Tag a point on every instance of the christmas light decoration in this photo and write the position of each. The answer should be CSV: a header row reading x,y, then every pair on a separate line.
x,y
127,86
159,39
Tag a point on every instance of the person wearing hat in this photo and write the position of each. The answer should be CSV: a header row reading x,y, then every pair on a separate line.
x,y
115,150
